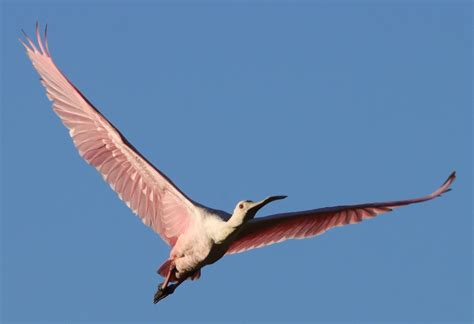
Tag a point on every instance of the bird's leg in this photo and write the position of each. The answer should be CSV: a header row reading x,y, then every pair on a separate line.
x,y
168,277
163,288
163,291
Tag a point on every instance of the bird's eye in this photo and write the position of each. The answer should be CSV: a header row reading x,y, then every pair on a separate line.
x,y
241,206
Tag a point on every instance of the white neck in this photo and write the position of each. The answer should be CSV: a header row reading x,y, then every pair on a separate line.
x,y
236,220
222,231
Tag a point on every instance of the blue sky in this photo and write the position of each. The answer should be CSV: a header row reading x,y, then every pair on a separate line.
x,y
327,102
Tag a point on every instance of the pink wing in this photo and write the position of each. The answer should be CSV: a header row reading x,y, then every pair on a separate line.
x,y
147,191
277,228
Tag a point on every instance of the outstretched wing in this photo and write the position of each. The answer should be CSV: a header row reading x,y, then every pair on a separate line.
x,y
147,191
268,230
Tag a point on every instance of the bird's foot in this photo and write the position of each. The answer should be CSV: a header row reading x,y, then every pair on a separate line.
x,y
163,292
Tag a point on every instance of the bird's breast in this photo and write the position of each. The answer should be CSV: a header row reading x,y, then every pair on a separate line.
x,y
203,245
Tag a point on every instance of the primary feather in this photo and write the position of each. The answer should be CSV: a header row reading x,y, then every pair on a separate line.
x,y
146,190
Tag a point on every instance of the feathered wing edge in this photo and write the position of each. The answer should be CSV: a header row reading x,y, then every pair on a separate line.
x,y
277,228
145,189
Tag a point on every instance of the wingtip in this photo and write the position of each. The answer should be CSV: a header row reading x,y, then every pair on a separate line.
x,y
22,43
446,185
31,46
46,40
453,174
451,178
42,44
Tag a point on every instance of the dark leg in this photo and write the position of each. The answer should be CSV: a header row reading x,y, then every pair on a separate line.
x,y
163,290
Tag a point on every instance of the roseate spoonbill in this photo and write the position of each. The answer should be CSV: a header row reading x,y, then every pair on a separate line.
x,y
198,235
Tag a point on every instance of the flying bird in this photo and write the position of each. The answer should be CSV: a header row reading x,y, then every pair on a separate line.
x,y
197,235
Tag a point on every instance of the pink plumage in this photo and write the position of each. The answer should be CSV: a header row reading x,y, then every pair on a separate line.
x,y
268,230
198,235
144,189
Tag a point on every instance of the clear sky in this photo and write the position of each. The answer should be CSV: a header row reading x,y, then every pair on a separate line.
x,y
327,102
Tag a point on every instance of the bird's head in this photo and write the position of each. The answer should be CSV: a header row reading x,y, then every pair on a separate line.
x,y
247,209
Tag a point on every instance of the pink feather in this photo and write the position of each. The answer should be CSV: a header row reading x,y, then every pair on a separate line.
x,y
143,187
268,230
